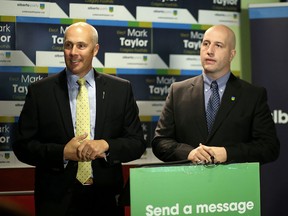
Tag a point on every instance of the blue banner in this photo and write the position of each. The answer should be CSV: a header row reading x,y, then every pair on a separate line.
x,y
269,33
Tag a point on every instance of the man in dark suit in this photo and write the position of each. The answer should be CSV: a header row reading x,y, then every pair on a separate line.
x,y
243,129
46,134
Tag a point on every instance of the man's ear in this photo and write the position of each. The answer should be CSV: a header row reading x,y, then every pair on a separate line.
x,y
232,54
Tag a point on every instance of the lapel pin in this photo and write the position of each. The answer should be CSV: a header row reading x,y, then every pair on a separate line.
x,y
233,98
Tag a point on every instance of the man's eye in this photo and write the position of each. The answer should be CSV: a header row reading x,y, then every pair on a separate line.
x,y
68,46
205,44
81,46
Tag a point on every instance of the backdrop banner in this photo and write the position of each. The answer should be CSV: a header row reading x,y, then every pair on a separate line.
x,y
232,189
151,43
269,33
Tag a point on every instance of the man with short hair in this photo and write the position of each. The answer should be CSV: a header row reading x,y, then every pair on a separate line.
x,y
242,130
47,126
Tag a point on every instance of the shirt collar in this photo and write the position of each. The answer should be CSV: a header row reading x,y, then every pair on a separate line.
x,y
221,81
72,78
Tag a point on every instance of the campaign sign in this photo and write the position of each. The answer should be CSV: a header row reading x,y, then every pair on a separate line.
x,y
148,124
185,42
14,58
217,190
218,18
46,37
134,60
118,39
14,86
214,10
163,11
70,7
188,62
31,8
159,14
7,132
8,127
152,87
7,35
100,11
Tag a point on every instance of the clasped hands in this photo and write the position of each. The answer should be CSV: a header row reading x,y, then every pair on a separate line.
x,y
81,149
208,155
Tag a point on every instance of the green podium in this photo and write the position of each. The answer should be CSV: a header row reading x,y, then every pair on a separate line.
x,y
232,189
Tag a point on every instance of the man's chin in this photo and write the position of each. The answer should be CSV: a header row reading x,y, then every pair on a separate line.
x,y
209,68
75,71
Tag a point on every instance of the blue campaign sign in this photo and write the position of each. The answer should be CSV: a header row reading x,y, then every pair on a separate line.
x,y
269,33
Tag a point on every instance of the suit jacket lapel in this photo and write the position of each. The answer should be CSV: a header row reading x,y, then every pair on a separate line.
x,y
102,98
62,99
197,94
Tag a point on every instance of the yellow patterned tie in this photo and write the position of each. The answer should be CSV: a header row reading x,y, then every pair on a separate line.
x,y
83,126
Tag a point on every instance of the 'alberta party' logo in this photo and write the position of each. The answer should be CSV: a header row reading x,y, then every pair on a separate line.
x,y
42,6
8,55
7,155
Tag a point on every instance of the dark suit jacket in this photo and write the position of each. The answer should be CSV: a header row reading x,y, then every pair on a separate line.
x,y
45,126
243,124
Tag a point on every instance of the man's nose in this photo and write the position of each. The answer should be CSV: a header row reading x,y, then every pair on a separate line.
x,y
210,50
73,50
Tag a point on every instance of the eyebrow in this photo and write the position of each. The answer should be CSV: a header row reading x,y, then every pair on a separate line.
x,y
219,42
78,42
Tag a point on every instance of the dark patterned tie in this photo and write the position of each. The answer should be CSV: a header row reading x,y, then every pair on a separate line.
x,y
212,106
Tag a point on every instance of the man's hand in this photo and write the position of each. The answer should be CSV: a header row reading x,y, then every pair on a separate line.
x,y
71,148
81,149
92,149
207,154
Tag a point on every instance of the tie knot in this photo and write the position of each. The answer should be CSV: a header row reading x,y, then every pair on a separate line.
x,y
214,85
81,81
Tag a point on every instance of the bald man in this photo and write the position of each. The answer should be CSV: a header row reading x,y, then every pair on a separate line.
x,y
243,129
47,137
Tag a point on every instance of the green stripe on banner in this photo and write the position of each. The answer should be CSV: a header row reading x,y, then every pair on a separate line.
x,y
145,118
67,21
28,69
7,19
139,24
174,72
7,119
149,118
168,72
108,70
35,70
200,27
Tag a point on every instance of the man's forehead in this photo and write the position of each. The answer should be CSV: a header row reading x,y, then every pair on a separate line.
x,y
213,40
215,37
78,38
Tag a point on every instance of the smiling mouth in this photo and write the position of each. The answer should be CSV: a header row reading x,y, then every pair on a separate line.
x,y
74,61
